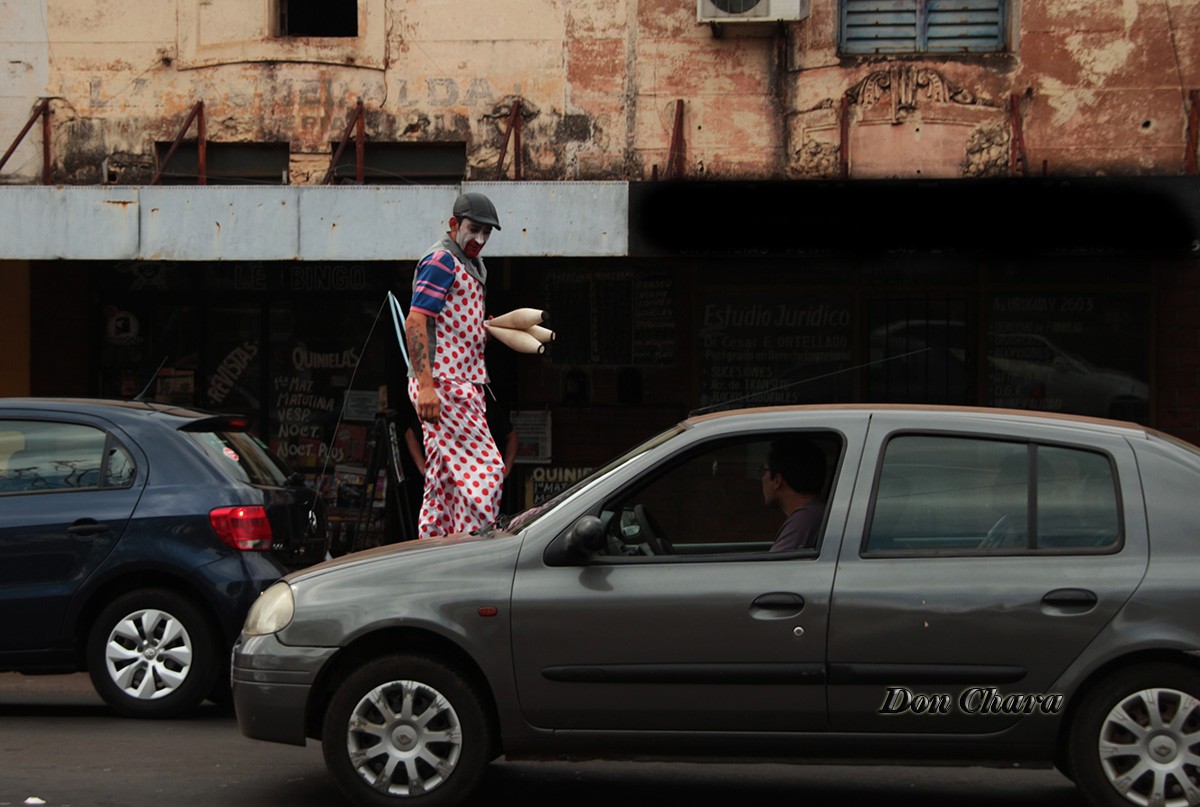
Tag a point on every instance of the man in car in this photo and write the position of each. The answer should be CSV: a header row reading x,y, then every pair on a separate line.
x,y
446,338
792,480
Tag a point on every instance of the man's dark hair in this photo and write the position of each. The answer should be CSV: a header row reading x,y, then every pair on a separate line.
x,y
799,462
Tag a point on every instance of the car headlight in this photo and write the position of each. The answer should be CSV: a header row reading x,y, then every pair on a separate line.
x,y
272,612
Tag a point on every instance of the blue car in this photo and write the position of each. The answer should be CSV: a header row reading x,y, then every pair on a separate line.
x,y
133,539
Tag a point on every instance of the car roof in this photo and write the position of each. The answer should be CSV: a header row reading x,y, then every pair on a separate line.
x,y
107,407
937,414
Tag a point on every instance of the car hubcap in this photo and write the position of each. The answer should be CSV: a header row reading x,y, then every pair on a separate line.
x,y
149,654
404,738
1150,748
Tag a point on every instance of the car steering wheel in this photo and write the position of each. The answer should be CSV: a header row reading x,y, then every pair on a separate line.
x,y
648,528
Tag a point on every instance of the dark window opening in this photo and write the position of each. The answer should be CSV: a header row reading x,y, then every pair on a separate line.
x,y
318,18
226,163
403,163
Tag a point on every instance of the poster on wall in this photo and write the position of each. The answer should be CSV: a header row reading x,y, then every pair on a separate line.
x,y
616,317
361,405
1085,354
761,349
533,436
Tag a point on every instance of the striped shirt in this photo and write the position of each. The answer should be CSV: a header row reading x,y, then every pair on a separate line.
x,y
435,276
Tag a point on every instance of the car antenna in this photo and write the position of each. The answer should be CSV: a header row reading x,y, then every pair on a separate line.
x,y
150,383
714,407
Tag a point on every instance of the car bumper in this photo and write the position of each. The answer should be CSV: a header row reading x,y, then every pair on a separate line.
x,y
271,685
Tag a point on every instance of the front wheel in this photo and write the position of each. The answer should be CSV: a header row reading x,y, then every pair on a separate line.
x,y
152,654
1136,738
407,729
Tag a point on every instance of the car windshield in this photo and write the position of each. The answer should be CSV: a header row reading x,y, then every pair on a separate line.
x,y
243,456
522,520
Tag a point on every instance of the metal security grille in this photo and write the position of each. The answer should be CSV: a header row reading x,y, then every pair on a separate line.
x,y
923,26
922,350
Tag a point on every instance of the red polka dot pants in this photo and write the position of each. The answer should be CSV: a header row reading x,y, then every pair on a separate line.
x,y
463,469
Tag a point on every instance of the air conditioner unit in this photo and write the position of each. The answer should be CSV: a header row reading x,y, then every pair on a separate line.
x,y
724,11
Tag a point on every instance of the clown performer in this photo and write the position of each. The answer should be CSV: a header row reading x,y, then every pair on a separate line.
x,y
446,337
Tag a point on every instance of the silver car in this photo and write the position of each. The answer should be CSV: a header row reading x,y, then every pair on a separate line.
x,y
976,586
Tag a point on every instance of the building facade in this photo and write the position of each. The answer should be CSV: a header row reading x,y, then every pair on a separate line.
x,y
720,202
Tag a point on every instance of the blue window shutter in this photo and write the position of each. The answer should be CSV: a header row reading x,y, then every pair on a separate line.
x,y
917,26
964,26
880,26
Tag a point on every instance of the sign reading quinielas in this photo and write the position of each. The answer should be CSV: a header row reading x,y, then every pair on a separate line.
x,y
546,482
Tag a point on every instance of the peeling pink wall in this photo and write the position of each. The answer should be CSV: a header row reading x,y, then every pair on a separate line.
x,y
1102,88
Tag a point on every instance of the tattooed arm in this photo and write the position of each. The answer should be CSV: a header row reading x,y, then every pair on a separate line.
x,y
421,331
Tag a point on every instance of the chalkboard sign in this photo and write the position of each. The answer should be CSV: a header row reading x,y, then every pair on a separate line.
x,y
1083,353
758,349
614,318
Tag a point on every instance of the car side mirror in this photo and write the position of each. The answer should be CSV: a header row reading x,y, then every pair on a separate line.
x,y
585,538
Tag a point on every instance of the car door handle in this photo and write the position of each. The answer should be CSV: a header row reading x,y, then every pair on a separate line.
x,y
86,527
779,601
1070,598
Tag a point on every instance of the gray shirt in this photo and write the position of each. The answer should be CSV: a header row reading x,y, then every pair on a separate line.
x,y
800,529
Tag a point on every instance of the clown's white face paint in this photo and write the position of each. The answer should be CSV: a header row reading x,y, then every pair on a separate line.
x,y
471,236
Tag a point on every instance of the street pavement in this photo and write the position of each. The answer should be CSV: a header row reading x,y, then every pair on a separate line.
x,y
61,745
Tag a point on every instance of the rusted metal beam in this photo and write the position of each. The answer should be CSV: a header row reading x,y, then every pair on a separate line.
x,y
844,137
513,132
1193,133
355,124
201,145
676,152
1016,142
360,145
42,110
518,152
46,135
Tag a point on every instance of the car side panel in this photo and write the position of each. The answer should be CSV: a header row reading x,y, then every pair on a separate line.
x,y
51,542
1171,480
671,644
958,629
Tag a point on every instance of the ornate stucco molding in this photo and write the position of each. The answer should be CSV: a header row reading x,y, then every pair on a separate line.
x,y
905,86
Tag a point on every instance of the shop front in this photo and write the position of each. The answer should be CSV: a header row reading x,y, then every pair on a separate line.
x,y
742,297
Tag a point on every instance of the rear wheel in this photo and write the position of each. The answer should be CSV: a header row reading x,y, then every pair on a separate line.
x,y
152,654
407,729
1136,738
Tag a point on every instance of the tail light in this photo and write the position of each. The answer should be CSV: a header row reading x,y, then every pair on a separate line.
x,y
242,527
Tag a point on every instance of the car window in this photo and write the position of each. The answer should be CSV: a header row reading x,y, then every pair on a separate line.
x,y
47,456
243,457
528,517
721,499
965,495
119,472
